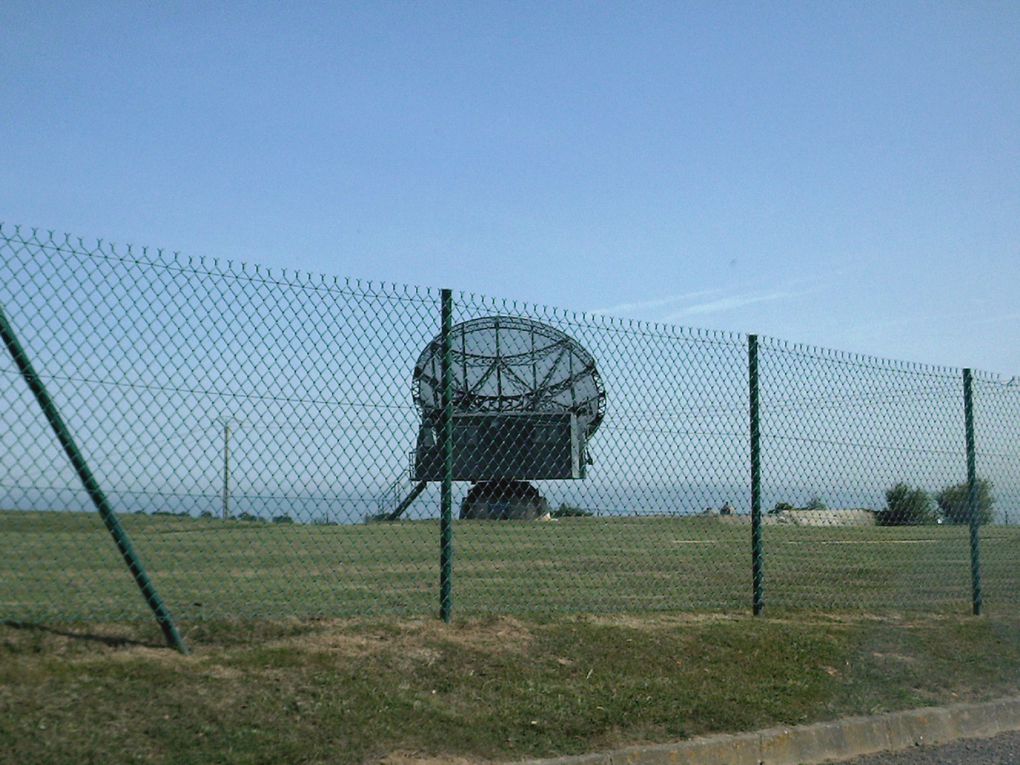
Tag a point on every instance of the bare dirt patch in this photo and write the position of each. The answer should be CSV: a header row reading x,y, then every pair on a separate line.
x,y
657,621
417,759
893,657
415,639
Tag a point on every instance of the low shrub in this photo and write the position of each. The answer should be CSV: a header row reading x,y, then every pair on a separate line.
x,y
953,502
246,516
906,506
571,511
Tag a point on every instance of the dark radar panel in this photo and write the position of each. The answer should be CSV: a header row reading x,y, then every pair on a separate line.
x,y
502,446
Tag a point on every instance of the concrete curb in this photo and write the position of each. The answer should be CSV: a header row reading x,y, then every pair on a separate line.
x,y
809,744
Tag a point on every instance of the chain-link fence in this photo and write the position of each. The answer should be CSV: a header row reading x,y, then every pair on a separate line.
x,y
277,444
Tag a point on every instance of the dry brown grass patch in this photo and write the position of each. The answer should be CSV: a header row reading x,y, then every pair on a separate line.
x,y
415,639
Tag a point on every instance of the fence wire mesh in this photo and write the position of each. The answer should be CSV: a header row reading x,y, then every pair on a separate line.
x,y
273,445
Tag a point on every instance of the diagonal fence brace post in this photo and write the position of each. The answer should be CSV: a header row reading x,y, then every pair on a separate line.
x,y
113,525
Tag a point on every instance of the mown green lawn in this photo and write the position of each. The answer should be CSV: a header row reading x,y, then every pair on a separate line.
x,y
319,643
64,567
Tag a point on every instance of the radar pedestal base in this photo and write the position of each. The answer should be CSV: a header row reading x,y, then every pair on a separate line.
x,y
503,500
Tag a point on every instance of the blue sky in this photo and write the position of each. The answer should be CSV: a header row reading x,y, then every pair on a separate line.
x,y
841,174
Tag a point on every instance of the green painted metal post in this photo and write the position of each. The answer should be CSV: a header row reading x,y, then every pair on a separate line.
x,y
757,547
120,537
226,470
446,440
973,513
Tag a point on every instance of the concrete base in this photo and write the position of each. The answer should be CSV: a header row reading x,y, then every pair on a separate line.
x,y
817,743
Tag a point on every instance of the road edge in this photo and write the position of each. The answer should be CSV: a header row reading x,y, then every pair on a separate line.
x,y
819,742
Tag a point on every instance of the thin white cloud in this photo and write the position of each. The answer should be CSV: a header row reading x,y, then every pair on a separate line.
x,y
734,302
658,302
721,301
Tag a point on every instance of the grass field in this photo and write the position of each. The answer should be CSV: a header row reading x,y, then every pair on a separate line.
x,y
859,620
64,567
401,690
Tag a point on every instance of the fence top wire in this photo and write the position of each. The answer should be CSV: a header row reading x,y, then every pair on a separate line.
x,y
810,352
202,265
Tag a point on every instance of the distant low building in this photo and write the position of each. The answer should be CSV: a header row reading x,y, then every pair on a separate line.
x,y
796,517
856,516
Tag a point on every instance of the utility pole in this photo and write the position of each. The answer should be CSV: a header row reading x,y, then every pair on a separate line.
x,y
226,469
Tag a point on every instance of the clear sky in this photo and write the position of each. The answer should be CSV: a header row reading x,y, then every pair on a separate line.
x,y
842,174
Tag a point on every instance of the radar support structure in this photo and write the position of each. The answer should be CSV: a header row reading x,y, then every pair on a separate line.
x,y
527,399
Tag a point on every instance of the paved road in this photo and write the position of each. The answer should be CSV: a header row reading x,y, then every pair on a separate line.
x,y
1001,750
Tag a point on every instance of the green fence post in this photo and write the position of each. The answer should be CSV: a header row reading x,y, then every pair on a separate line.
x,y
973,514
120,537
446,439
757,548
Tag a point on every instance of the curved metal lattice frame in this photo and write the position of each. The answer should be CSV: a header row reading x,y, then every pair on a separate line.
x,y
510,364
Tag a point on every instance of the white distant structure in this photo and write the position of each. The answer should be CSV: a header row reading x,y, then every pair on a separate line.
x,y
856,516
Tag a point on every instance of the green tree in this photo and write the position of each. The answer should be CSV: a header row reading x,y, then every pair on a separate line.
x,y
906,506
953,502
